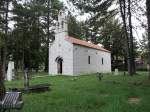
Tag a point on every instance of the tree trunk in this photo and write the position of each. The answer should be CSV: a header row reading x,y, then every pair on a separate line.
x,y
125,63
5,39
48,36
2,87
132,59
122,4
148,20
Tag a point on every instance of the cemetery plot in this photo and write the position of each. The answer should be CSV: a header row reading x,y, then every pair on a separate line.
x,y
29,89
88,94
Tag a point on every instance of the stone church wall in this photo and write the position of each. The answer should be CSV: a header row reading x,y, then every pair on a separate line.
x,y
64,49
81,60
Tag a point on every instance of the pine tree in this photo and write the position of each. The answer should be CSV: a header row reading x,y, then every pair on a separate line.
x,y
32,34
98,10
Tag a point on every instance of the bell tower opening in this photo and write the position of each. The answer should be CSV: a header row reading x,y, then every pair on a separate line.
x,y
62,23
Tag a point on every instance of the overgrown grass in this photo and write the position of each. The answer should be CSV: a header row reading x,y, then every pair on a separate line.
x,y
88,94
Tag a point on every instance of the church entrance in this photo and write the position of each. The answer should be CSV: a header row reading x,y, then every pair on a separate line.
x,y
59,61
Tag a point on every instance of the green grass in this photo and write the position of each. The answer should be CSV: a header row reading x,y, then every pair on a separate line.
x,y
87,94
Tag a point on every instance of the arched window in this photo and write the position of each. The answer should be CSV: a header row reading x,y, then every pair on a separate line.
x,y
89,60
102,61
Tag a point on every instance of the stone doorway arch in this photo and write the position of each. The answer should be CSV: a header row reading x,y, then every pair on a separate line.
x,y
59,61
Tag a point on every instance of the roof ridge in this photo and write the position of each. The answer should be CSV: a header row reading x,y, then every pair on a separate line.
x,y
85,43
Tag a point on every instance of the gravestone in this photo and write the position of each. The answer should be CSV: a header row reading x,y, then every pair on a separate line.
x,y
147,66
10,71
116,72
26,79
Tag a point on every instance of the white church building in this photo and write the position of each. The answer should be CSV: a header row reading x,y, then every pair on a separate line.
x,y
71,56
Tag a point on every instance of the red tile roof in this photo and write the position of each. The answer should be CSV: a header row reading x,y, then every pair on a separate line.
x,y
85,43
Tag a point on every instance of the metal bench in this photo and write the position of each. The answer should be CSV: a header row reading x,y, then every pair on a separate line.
x,y
12,100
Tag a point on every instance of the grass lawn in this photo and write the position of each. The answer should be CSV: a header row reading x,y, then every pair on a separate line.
x,y
87,94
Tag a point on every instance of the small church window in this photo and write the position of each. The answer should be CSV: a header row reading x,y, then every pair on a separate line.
x,y
58,24
62,24
60,13
102,61
89,59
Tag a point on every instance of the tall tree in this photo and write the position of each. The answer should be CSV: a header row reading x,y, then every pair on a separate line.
x,y
131,39
144,47
52,9
48,34
6,11
2,87
32,31
126,15
28,28
112,37
74,27
99,13
148,22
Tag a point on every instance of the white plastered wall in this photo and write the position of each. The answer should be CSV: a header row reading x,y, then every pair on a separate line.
x,y
80,60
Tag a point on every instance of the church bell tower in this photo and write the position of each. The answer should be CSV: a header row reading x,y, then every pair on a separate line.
x,y
62,25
